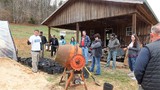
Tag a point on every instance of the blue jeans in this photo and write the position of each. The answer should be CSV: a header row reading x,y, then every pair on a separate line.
x,y
85,54
113,54
131,63
96,60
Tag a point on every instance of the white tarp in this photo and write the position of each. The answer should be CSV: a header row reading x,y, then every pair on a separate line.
x,y
7,47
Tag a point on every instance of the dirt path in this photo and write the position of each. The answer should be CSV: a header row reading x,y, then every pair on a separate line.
x,y
14,76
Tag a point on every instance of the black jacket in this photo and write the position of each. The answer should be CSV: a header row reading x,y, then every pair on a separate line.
x,y
43,39
54,41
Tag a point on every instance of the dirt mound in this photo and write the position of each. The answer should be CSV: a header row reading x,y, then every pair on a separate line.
x,y
15,76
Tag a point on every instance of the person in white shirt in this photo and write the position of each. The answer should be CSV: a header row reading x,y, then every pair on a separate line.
x,y
133,51
35,41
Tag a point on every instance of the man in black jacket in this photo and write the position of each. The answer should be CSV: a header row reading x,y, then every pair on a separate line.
x,y
54,45
44,41
147,69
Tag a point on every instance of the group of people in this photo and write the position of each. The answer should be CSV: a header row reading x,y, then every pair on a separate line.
x,y
38,42
143,62
55,43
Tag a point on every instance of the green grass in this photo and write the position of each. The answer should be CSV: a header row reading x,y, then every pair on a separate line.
x,y
25,31
119,78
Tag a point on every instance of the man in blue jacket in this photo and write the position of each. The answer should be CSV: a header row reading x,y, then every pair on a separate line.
x,y
147,69
85,43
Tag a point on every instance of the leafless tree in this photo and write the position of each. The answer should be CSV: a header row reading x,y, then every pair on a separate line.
x,y
24,11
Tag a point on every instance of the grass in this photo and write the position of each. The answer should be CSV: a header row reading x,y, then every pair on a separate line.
x,y
117,78
25,31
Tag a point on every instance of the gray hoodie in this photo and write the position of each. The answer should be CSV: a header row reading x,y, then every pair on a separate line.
x,y
113,44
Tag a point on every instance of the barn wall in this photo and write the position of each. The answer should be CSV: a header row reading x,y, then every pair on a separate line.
x,y
143,31
83,10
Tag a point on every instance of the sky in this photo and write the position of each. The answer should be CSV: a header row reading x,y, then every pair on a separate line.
x,y
155,5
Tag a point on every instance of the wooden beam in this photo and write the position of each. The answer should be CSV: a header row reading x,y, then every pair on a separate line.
x,y
144,13
77,33
134,20
143,18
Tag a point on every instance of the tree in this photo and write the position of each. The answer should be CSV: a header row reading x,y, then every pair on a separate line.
x,y
22,11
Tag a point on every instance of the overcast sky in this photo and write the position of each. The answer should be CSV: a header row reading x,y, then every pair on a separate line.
x,y
155,5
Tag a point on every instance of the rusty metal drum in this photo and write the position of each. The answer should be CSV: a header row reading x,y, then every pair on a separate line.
x,y
70,57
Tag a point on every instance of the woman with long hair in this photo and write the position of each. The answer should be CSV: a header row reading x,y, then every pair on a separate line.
x,y
73,41
133,50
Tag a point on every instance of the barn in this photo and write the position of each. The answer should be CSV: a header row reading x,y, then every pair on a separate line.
x,y
122,17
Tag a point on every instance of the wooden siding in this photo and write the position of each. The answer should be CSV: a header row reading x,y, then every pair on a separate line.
x,y
83,10
119,28
143,31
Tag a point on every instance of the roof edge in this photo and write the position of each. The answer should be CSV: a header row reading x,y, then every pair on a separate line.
x,y
126,1
43,23
151,10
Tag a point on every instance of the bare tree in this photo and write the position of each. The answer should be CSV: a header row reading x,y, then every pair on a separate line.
x,y
24,11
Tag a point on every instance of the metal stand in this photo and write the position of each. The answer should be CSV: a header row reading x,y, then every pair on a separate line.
x,y
70,75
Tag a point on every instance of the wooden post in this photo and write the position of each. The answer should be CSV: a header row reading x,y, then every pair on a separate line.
x,y
134,20
105,38
49,36
49,33
77,33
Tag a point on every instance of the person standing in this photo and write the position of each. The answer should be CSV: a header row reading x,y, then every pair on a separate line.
x,y
147,67
96,48
85,43
54,44
133,51
44,41
35,41
73,41
62,41
112,50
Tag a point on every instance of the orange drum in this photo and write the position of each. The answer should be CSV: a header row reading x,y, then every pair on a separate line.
x,y
70,57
